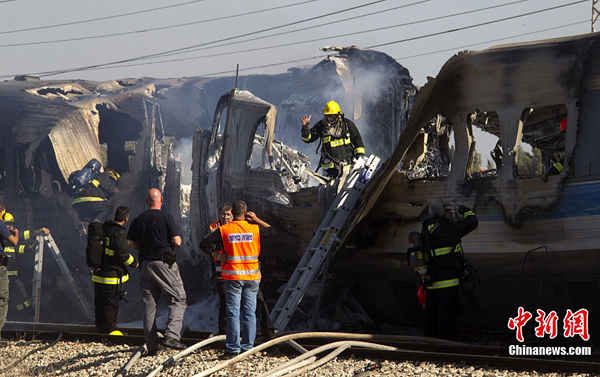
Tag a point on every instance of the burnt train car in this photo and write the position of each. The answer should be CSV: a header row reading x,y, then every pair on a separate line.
x,y
536,246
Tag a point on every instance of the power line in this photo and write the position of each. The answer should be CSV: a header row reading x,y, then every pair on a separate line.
x,y
99,18
322,38
454,49
490,41
476,25
154,29
56,72
302,29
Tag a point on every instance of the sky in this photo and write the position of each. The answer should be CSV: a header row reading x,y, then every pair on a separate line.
x,y
110,39
210,37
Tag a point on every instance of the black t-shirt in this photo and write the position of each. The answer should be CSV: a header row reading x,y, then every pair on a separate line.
x,y
153,231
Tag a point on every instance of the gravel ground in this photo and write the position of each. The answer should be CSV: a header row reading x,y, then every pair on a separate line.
x,y
76,358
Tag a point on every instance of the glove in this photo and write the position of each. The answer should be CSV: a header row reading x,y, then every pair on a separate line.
x,y
545,178
42,230
463,209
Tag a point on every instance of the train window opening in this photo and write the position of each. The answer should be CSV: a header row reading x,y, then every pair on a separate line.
x,y
116,132
543,140
486,157
430,155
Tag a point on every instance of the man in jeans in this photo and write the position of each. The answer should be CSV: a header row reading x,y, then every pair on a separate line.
x,y
240,240
155,234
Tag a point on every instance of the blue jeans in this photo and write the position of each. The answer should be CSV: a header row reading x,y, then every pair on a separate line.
x,y
240,294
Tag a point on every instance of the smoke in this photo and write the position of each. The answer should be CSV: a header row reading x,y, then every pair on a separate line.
x,y
183,153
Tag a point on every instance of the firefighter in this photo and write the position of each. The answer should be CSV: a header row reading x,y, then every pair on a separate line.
x,y
12,237
441,238
340,139
91,201
112,273
20,269
556,169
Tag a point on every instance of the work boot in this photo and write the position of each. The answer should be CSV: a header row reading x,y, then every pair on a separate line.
x,y
173,343
155,352
228,355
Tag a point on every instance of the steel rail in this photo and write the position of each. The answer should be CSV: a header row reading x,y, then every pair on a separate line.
x,y
414,348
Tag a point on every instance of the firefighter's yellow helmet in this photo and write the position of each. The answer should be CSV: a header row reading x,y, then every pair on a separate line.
x,y
8,218
331,108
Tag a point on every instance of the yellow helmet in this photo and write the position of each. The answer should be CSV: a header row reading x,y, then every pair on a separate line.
x,y
8,218
331,108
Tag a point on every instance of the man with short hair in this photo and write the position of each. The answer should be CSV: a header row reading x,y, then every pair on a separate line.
x,y
225,217
155,234
442,239
241,243
112,273
12,237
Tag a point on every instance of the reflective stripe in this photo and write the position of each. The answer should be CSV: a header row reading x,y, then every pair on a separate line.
x,y
110,281
240,272
13,273
24,305
444,284
442,251
327,166
239,258
21,249
129,260
95,182
109,252
446,250
84,199
26,235
359,150
306,138
558,167
340,142
326,139
468,213
9,249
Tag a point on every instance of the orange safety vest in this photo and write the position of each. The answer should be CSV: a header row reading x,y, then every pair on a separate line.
x,y
241,242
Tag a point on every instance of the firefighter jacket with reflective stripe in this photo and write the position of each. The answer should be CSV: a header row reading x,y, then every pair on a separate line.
x,y
217,263
442,238
115,260
241,243
26,240
336,150
90,194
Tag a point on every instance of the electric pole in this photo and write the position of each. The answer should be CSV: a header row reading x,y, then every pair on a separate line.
x,y
595,14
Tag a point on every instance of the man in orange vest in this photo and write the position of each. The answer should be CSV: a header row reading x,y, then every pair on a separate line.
x,y
240,240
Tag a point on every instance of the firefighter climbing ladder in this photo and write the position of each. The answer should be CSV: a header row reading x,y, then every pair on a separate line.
x,y
48,240
323,242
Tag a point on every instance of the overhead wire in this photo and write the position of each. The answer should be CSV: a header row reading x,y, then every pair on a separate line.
x,y
477,25
311,40
491,41
112,65
156,28
99,18
319,56
56,72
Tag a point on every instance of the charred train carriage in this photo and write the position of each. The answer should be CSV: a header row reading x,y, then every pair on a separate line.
x,y
537,244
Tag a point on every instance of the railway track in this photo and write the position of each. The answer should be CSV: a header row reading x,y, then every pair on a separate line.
x,y
407,347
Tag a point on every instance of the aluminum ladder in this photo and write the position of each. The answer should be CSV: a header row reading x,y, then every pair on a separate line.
x,y
323,242
48,240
